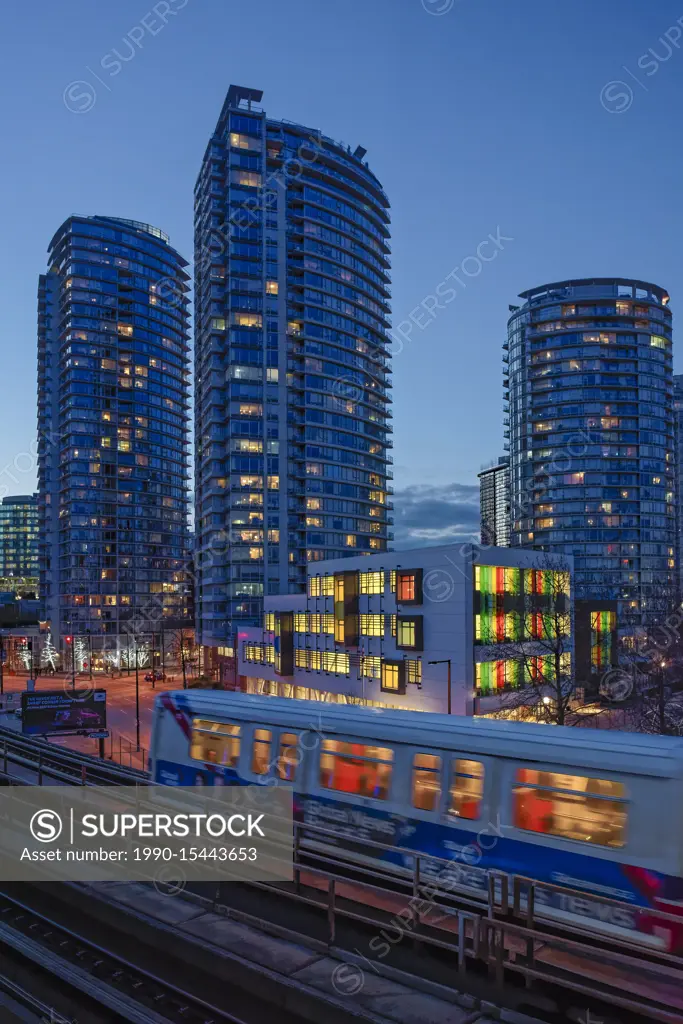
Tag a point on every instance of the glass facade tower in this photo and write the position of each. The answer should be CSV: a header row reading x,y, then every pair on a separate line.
x,y
291,318
494,504
19,536
592,452
113,392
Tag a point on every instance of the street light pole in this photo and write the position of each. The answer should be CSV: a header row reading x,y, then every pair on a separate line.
x,y
445,661
137,698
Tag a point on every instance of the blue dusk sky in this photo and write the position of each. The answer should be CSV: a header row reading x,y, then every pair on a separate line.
x,y
553,128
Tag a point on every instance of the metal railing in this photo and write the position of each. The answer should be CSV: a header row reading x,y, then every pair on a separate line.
x,y
49,762
503,925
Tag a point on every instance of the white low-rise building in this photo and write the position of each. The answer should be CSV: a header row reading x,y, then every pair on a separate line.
x,y
369,629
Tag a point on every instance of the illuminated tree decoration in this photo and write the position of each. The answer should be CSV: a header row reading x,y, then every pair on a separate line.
x,y
24,655
49,654
80,653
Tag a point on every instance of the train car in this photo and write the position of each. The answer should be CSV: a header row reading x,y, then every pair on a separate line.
x,y
593,811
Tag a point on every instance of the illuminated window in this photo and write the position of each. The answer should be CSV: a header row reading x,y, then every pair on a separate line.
x,y
320,586
391,677
371,667
247,319
269,621
413,671
215,742
288,758
260,758
467,787
300,622
271,287
406,632
426,782
332,662
247,179
372,582
372,625
356,768
570,806
238,141
657,342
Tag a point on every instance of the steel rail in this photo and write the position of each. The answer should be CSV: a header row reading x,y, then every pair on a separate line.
x,y
99,973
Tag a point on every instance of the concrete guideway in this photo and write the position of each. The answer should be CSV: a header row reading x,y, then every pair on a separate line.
x,y
310,980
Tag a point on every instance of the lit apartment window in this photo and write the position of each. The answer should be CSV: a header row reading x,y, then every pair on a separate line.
x,y
371,667
413,671
409,632
406,586
320,586
238,141
406,633
372,582
372,625
247,179
272,287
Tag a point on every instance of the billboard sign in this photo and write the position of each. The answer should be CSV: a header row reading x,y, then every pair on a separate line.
x,y
57,711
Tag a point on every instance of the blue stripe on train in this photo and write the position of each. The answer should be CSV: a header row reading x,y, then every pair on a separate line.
x,y
472,854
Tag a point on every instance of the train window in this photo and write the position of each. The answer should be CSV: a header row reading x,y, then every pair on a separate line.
x,y
216,742
260,758
467,787
570,806
288,759
426,782
356,768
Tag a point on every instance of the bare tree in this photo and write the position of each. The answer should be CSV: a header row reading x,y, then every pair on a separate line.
x,y
647,682
181,646
538,644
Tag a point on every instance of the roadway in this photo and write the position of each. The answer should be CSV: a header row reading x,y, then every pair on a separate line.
x,y
121,718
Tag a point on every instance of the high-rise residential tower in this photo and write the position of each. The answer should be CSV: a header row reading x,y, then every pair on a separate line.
x,y
592,453
113,425
291,318
494,504
19,543
678,413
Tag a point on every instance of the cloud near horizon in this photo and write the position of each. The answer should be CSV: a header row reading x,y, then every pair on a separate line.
x,y
426,515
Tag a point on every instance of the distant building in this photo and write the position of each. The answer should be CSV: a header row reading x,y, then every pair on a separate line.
x,y
678,417
19,536
494,504
588,366
367,629
113,420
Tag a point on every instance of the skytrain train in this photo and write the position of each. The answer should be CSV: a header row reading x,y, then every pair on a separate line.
x,y
594,812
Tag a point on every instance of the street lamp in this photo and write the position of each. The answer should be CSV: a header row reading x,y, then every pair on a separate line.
x,y
69,643
137,697
445,661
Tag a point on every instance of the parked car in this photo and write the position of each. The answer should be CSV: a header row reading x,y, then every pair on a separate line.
x,y
153,677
